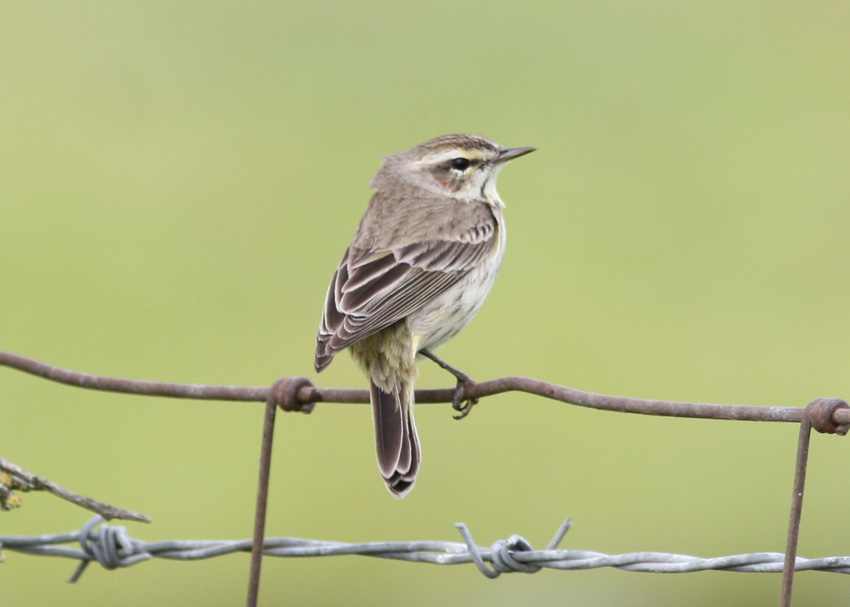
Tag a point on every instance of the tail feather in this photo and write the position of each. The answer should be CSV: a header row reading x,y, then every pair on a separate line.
x,y
396,440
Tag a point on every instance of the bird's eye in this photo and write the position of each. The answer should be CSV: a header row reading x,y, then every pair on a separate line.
x,y
460,164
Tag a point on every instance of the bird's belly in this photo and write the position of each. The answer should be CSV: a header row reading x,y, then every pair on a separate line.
x,y
444,316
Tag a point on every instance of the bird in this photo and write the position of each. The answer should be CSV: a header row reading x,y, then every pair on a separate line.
x,y
422,261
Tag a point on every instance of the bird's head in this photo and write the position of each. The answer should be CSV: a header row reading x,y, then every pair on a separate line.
x,y
463,167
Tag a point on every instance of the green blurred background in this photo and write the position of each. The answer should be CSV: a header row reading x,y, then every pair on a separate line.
x,y
179,181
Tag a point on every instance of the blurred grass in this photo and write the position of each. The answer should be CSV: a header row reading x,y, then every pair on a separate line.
x,y
179,182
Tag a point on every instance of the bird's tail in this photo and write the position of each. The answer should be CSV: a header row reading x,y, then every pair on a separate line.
x,y
395,437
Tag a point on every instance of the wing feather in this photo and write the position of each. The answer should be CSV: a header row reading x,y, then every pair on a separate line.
x,y
376,286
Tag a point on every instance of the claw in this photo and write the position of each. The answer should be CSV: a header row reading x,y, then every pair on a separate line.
x,y
465,408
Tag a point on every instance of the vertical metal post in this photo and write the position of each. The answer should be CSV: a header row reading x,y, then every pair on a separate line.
x,y
796,510
262,500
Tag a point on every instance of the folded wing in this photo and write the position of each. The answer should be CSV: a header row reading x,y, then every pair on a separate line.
x,y
382,282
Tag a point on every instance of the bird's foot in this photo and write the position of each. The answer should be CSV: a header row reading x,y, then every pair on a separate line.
x,y
459,404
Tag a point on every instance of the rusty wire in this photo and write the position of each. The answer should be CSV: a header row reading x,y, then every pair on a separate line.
x,y
307,394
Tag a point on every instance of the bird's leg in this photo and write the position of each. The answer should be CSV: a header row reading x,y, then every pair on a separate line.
x,y
463,380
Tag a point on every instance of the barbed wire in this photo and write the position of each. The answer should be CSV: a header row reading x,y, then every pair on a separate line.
x,y
112,547
825,415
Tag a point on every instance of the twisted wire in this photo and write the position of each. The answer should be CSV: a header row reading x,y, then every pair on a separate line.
x,y
112,547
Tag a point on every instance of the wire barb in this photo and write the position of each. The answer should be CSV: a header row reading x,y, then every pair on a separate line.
x,y
109,546
502,551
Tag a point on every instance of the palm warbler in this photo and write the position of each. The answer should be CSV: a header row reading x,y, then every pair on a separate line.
x,y
423,259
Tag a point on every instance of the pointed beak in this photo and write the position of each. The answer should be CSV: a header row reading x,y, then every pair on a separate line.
x,y
511,153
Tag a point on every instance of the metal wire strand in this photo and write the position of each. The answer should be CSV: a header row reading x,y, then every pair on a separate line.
x,y
112,547
305,395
